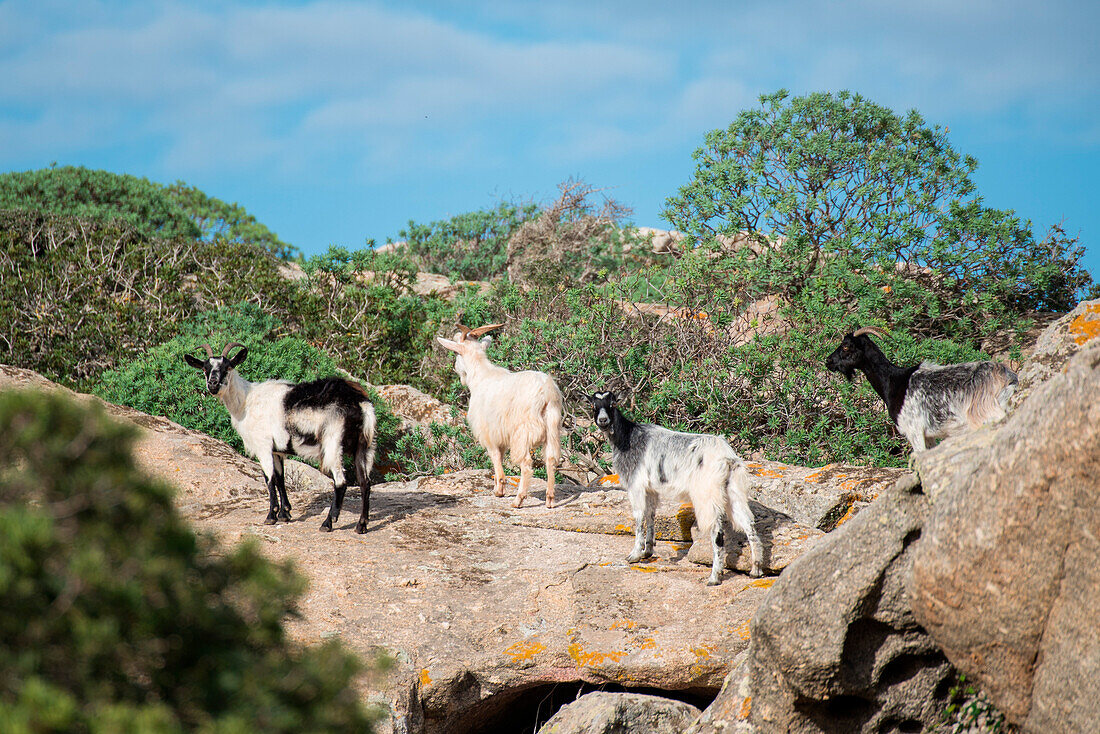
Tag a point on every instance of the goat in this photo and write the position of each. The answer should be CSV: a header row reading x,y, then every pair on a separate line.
x,y
927,401
654,463
321,420
517,410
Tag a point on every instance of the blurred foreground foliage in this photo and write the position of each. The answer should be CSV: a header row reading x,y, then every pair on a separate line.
x,y
119,618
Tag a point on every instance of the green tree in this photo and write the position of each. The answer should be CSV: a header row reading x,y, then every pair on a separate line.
x,y
98,196
841,197
117,617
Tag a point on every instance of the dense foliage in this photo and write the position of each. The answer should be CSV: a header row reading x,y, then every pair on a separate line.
x,y
469,246
98,196
78,296
148,208
119,618
159,382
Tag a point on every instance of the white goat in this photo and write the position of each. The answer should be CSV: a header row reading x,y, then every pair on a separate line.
x,y
321,420
654,463
514,410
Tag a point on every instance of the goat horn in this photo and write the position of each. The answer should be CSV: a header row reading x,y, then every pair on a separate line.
x,y
229,346
880,333
464,329
484,329
209,351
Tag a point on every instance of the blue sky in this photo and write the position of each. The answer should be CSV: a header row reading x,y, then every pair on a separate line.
x,y
334,122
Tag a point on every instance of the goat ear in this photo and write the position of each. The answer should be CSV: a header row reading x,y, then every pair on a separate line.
x,y
194,361
238,357
448,344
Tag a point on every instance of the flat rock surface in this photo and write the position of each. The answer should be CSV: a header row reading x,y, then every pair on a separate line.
x,y
474,607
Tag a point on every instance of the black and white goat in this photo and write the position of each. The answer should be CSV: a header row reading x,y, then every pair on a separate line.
x,y
927,401
321,420
654,463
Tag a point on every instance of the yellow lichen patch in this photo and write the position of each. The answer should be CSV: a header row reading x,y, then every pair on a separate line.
x,y
760,471
624,624
648,643
1086,326
761,583
743,630
586,659
746,709
647,569
514,481
849,485
623,529
525,650
609,479
846,516
425,679
702,651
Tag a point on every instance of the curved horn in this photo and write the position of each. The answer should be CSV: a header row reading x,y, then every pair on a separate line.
x,y
230,345
880,333
484,329
209,351
464,329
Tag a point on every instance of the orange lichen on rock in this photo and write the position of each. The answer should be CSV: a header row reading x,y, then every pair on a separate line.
x,y
525,650
624,624
760,471
425,679
746,709
761,583
743,631
609,479
586,659
1086,327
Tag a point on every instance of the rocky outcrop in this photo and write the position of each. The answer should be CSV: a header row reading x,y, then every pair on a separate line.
x,y
1055,345
835,646
1006,578
618,713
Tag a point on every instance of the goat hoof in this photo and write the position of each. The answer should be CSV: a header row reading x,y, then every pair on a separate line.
x,y
284,516
756,573
326,528
360,527
270,520
713,582
499,492
634,558
550,504
518,502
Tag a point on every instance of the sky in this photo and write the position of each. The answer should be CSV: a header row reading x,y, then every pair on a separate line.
x,y
335,122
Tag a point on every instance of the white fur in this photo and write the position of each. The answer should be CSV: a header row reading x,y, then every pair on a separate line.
x,y
514,410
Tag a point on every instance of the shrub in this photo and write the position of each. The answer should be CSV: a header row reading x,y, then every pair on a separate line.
x,y
98,196
119,618
469,246
76,296
159,382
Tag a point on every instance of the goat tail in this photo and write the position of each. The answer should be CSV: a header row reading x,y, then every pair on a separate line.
x,y
740,514
553,417
364,452
989,401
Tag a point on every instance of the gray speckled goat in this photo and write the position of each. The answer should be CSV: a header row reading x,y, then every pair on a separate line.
x,y
927,401
653,463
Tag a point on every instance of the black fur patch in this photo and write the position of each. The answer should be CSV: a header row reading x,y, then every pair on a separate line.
x,y
330,391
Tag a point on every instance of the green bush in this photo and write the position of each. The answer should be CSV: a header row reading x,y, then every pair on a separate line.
x,y
469,246
159,382
98,196
119,618
77,296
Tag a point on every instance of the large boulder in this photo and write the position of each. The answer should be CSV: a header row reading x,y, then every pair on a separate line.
x,y
621,713
1006,578
835,647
